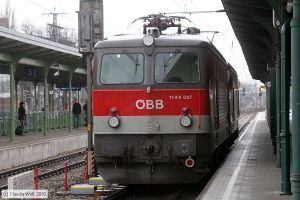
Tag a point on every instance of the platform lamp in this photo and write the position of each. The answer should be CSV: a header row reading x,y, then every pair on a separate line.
x,y
57,72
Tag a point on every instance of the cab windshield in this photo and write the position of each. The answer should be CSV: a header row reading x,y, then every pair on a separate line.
x,y
122,68
176,67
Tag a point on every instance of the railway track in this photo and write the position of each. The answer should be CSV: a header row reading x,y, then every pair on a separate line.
x,y
47,168
153,192
245,119
130,192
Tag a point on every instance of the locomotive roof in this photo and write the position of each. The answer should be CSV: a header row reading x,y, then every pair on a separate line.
x,y
183,40
163,40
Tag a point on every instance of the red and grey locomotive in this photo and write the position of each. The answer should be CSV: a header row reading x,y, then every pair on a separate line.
x,y
163,105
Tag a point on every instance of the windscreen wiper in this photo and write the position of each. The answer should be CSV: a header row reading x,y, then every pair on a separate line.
x,y
135,61
166,64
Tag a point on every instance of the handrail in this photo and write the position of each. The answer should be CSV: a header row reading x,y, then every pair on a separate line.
x,y
34,121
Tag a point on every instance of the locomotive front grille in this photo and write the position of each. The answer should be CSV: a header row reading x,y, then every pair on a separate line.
x,y
143,147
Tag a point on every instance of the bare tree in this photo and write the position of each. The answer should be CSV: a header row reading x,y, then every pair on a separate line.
x,y
67,36
29,28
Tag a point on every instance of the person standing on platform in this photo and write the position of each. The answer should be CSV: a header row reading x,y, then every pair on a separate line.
x,y
76,112
85,112
22,119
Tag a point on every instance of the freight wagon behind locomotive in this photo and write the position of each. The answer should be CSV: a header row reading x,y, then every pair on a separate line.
x,y
163,105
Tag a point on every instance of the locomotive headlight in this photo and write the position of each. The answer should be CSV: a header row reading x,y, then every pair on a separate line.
x,y
148,40
186,121
114,122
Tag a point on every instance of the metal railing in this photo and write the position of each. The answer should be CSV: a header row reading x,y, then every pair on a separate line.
x,y
35,121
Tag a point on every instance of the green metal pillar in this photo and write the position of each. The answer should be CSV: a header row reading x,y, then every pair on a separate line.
x,y
12,116
2,105
16,92
35,99
273,109
295,59
2,100
278,114
267,105
46,107
285,129
52,98
35,117
70,101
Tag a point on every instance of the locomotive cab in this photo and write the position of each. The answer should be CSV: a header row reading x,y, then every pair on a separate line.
x,y
152,109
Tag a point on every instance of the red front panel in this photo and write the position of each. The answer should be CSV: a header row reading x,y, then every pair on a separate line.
x,y
139,102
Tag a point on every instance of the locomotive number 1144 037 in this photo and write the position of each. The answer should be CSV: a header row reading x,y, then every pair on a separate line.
x,y
179,97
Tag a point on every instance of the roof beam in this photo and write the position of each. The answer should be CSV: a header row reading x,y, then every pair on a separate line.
x,y
6,57
33,62
4,41
81,71
33,40
234,7
255,4
12,45
266,23
34,51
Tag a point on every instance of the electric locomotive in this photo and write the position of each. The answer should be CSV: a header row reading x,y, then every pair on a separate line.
x,y
163,106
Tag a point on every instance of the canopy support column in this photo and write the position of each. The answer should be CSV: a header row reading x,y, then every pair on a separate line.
x,y
273,109
285,91
46,107
70,100
278,114
12,115
295,59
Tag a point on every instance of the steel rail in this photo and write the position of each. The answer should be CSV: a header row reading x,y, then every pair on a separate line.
x,y
117,194
53,172
244,124
44,163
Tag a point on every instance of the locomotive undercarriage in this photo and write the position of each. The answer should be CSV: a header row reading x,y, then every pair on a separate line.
x,y
152,159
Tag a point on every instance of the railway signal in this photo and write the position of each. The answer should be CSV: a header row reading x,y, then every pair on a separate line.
x,y
90,28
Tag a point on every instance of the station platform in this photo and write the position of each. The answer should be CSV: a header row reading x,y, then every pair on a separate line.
x,y
32,147
249,171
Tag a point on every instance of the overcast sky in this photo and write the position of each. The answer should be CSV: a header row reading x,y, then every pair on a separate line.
x,y
118,14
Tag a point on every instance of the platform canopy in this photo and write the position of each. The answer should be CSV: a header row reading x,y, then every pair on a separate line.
x,y
253,27
34,53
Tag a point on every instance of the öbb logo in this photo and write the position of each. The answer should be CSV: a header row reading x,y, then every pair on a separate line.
x,y
148,104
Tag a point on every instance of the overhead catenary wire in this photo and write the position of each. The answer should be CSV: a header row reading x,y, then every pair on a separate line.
x,y
196,12
177,5
184,4
38,5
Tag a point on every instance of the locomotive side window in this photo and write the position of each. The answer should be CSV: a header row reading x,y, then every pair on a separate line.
x,y
122,68
176,68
